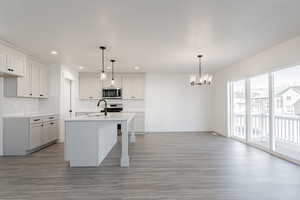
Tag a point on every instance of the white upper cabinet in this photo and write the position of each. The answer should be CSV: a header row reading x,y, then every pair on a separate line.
x,y
35,79
34,83
133,87
24,85
107,82
89,85
43,82
12,62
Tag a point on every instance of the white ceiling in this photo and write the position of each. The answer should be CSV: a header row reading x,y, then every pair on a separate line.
x,y
156,35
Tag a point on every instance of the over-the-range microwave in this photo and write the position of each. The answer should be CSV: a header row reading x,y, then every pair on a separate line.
x,y
112,93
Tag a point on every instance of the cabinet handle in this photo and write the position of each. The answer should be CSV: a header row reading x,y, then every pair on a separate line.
x,y
90,97
51,117
42,125
41,95
51,123
36,120
30,94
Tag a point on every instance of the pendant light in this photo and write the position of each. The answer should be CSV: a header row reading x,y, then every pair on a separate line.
x,y
200,79
103,74
112,72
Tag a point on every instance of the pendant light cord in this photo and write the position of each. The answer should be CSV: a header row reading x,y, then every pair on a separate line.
x,y
112,69
103,48
199,56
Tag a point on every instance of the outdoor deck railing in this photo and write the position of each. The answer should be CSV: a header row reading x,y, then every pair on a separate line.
x,y
286,128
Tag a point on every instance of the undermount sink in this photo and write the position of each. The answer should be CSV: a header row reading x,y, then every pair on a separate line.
x,y
95,115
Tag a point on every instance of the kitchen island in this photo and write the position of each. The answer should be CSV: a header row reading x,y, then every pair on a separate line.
x,y
89,138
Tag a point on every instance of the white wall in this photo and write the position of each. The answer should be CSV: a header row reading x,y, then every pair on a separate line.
x,y
173,105
280,56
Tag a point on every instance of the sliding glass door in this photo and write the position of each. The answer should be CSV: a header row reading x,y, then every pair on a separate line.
x,y
238,110
252,120
259,111
287,112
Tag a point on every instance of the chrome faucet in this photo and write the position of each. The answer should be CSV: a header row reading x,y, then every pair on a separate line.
x,y
105,108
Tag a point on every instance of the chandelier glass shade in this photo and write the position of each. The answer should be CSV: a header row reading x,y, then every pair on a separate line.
x,y
200,79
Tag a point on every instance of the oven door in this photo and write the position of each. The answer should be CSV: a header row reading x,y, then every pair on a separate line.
x,y
112,93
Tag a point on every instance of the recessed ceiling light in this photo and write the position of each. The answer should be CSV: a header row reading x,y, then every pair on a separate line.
x,y
54,52
136,68
81,67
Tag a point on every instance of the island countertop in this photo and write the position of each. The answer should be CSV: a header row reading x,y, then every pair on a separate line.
x,y
102,117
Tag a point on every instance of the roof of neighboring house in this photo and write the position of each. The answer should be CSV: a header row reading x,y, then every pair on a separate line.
x,y
294,88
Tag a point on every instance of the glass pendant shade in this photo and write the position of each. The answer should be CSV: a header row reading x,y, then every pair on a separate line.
x,y
112,82
103,76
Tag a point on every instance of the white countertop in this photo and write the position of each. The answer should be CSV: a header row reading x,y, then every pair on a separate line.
x,y
28,115
124,111
101,117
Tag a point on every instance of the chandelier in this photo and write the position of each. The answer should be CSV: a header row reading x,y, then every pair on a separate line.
x,y
200,79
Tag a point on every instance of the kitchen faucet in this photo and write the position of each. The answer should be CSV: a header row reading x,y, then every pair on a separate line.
x,y
105,108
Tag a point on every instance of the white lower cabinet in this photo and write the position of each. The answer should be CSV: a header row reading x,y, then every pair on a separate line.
x,y
36,134
24,135
50,131
138,125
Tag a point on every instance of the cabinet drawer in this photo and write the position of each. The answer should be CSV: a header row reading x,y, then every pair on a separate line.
x,y
36,120
50,118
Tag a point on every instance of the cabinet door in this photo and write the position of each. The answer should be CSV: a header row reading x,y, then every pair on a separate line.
x,y
15,62
127,87
89,86
24,83
35,79
53,131
138,87
133,87
36,131
12,61
43,79
3,66
139,123
18,61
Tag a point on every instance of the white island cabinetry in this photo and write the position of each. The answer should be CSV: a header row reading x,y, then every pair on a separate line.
x,y
96,135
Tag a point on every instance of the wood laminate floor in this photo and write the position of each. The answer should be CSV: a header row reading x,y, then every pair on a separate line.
x,y
163,166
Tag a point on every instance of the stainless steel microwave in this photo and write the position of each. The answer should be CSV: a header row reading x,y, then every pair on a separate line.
x,y
112,93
